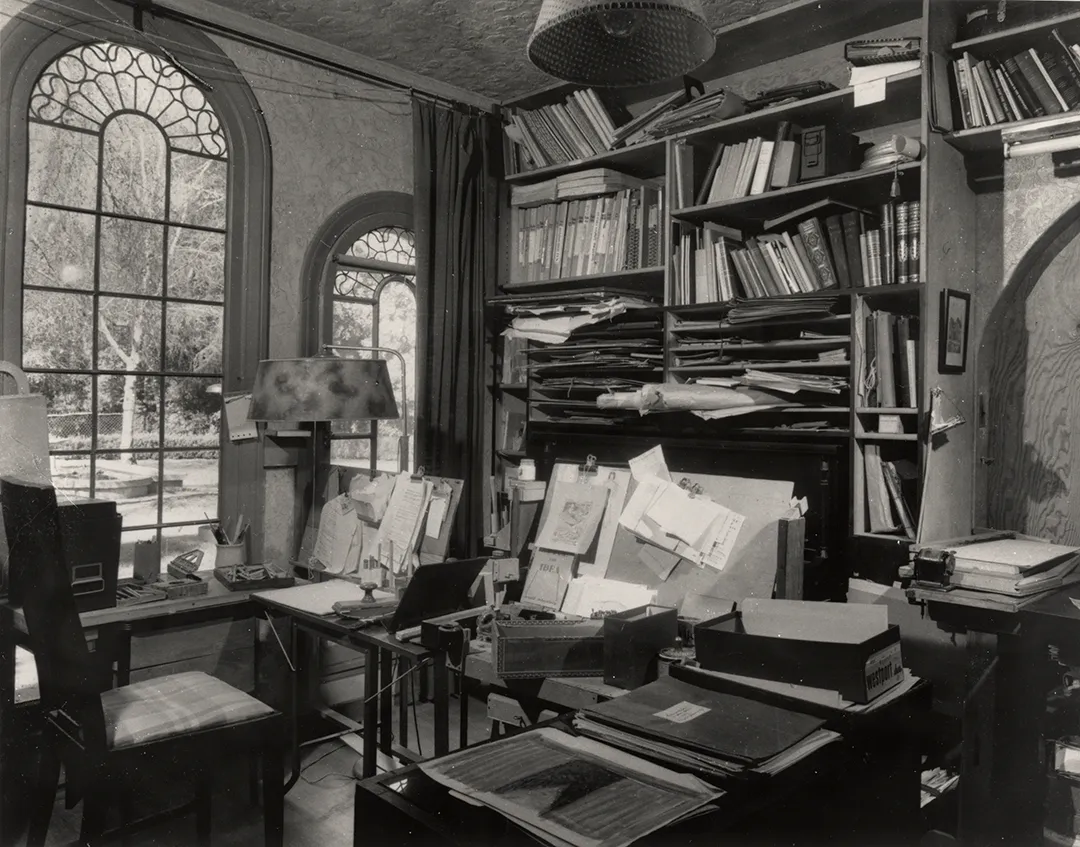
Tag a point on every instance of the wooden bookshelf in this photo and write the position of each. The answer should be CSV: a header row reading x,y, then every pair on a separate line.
x,y
1017,37
645,280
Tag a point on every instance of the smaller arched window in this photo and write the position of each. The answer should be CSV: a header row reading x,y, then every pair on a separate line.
x,y
368,299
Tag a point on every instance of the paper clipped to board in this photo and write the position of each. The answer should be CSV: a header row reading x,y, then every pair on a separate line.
x,y
573,517
236,417
650,463
400,527
338,543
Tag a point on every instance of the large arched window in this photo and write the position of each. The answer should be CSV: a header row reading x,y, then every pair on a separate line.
x,y
131,293
365,269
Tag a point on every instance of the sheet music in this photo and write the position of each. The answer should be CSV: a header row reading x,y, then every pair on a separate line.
x,y
400,527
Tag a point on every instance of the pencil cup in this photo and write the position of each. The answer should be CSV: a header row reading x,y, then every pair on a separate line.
x,y
229,555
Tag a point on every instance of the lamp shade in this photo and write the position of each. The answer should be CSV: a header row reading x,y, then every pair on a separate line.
x,y
322,388
612,43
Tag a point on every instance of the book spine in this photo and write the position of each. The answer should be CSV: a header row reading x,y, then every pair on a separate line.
x,y
1023,87
873,255
710,174
633,223
978,114
987,92
1058,72
799,262
850,222
773,287
962,94
759,183
584,126
914,231
903,262
834,228
1018,106
1040,84
560,239
1003,95
570,134
818,249
810,280
888,242
652,228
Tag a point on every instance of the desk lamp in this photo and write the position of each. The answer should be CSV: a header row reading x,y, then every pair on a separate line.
x,y
328,387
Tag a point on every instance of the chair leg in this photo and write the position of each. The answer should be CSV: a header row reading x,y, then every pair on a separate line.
x,y
273,785
95,807
204,792
48,779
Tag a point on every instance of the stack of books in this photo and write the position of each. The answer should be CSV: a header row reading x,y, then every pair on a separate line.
x,y
747,168
1042,80
601,234
1015,566
890,372
564,132
890,493
717,106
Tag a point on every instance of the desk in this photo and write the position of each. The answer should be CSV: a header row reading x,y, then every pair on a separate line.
x,y
1002,780
218,604
854,792
379,648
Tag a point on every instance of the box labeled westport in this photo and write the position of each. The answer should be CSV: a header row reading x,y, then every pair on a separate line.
x,y
849,648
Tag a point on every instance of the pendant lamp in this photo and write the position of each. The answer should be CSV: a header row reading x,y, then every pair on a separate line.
x,y
614,43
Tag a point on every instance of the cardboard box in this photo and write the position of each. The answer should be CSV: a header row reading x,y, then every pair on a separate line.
x,y
632,641
536,649
849,648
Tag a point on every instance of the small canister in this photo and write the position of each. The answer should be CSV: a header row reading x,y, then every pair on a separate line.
x,y
527,470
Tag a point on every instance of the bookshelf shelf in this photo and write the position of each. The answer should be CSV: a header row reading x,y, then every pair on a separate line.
x,y
987,139
896,290
869,187
1016,37
511,387
881,410
644,160
886,436
643,280
739,367
901,105
794,345
791,432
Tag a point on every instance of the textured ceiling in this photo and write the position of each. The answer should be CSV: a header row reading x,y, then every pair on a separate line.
x,y
478,45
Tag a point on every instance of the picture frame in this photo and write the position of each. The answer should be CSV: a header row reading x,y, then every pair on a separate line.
x,y
953,334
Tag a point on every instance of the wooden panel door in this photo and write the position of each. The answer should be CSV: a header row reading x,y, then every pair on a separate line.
x,y
1032,385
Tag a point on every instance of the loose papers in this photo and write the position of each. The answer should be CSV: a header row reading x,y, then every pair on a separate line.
x,y
572,518
588,595
400,527
338,543
568,790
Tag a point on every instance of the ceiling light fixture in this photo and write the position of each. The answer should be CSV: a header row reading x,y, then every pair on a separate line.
x,y
617,43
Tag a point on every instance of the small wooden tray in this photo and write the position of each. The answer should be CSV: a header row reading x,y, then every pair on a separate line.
x,y
253,577
190,585
130,592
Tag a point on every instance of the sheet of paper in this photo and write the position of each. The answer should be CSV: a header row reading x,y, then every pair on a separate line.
x,y
660,561
550,573
400,527
726,534
650,463
686,516
236,417
436,515
587,595
870,92
318,598
335,533
371,496
571,521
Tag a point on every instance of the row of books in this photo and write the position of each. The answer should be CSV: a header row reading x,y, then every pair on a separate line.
x,y
605,234
891,491
840,250
890,377
744,169
1042,80
587,183
577,128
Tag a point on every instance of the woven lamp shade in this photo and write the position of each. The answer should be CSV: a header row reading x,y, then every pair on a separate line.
x,y
613,43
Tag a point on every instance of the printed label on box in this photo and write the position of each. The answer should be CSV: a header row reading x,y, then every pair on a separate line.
x,y
681,712
884,669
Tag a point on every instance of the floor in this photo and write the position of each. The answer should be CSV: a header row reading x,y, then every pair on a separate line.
x,y
318,809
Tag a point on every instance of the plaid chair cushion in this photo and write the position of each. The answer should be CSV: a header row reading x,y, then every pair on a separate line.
x,y
171,705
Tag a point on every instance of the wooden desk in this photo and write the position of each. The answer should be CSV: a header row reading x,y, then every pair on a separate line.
x,y
379,648
218,604
862,790
1002,780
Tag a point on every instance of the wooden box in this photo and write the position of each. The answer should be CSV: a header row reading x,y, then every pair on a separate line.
x,y
536,649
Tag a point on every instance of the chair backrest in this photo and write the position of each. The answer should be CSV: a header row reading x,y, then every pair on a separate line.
x,y
68,675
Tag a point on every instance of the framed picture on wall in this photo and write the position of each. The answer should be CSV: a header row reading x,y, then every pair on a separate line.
x,y
953,337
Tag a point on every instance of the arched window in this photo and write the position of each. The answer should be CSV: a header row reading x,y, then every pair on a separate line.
x,y
128,281
365,268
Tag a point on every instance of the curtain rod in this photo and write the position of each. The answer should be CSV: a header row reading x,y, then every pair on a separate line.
x,y
296,53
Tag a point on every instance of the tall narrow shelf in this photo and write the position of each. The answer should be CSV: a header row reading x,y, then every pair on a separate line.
x,y
937,180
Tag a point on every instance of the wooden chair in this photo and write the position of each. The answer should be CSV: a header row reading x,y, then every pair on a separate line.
x,y
104,737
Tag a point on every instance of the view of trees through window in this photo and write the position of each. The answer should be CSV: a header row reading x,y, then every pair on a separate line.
x,y
124,285
374,305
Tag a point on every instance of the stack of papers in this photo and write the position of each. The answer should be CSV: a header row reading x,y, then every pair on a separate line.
x,y
792,383
712,107
710,732
587,183
1013,566
784,306
553,318
566,790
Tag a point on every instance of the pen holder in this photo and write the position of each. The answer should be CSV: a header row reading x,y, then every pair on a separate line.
x,y
229,555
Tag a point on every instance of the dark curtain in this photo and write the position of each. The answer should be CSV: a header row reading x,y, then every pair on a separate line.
x,y
457,163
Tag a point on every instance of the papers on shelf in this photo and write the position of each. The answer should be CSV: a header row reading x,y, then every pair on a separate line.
x,y
586,595
568,790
